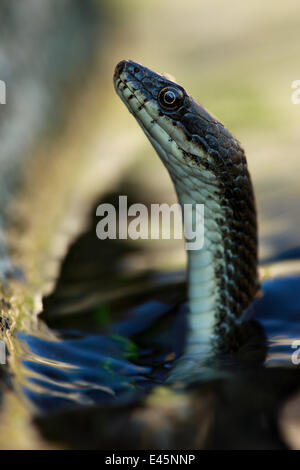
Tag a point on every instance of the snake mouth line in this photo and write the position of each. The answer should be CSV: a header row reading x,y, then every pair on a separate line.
x,y
130,108
126,86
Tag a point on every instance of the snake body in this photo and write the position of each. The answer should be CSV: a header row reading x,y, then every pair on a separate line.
x,y
207,166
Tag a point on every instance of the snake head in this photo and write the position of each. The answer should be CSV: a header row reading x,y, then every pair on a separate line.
x,y
173,121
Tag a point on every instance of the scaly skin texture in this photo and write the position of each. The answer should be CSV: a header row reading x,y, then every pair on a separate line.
x,y
207,166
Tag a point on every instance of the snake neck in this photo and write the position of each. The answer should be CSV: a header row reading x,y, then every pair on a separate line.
x,y
222,275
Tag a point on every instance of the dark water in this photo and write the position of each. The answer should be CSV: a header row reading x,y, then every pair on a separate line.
x,y
82,368
113,337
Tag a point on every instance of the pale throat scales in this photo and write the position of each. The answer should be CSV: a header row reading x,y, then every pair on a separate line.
x,y
193,186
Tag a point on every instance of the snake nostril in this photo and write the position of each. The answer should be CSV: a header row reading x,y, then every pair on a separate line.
x,y
136,69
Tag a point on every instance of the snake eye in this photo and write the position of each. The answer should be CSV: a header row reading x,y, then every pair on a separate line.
x,y
170,98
